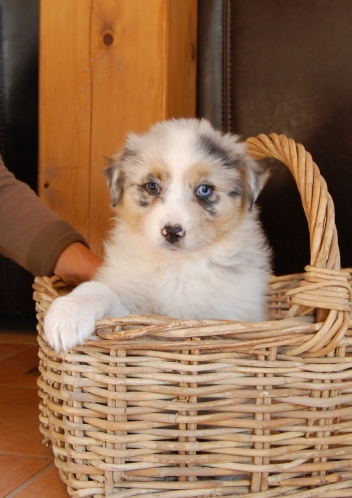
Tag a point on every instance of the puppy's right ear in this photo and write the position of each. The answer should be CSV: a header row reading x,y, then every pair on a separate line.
x,y
114,175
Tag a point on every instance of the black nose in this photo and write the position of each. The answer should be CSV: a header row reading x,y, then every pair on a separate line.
x,y
173,233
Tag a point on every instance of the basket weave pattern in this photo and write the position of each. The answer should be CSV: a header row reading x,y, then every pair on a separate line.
x,y
178,409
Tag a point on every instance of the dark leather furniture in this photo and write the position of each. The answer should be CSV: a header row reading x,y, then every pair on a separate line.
x,y
19,28
284,66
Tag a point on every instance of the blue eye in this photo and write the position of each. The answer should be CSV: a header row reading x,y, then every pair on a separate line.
x,y
152,188
204,191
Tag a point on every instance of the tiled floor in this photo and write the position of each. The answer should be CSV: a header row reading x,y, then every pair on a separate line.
x,y
26,466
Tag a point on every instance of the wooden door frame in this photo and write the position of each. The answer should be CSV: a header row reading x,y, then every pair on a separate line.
x,y
107,67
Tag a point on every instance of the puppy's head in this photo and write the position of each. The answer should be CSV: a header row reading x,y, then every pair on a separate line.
x,y
183,185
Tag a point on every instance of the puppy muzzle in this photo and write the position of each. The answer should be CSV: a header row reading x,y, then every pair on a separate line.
x,y
173,233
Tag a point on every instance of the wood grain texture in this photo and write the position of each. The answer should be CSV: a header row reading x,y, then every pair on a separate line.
x,y
181,58
65,109
108,67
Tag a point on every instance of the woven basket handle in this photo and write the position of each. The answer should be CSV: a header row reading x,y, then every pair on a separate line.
x,y
325,287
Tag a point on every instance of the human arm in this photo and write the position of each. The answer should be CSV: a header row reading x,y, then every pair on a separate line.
x,y
76,264
36,238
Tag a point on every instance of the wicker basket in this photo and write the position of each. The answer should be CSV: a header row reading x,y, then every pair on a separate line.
x,y
177,409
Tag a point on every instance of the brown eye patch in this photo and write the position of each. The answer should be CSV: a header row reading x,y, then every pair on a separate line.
x,y
149,189
147,193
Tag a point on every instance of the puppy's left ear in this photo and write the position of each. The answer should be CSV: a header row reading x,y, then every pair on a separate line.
x,y
114,175
257,176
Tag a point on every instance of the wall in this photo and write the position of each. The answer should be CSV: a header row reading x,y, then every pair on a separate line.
x,y
107,67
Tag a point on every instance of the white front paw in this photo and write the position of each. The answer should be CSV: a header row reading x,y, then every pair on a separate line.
x,y
68,323
70,320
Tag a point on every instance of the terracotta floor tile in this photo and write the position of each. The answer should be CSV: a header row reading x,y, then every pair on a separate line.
x,y
18,337
47,485
19,423
17,470
20,369
10,349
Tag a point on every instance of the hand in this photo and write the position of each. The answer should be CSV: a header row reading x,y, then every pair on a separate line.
x,y
76,264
